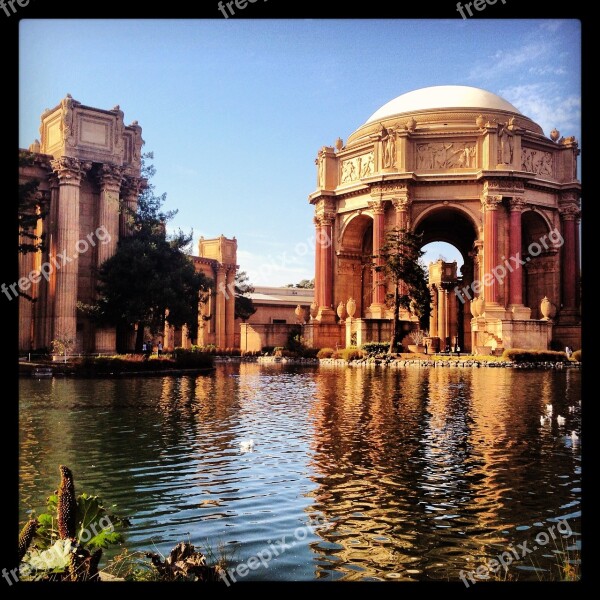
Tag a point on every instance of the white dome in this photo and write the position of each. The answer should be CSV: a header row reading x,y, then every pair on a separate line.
x,y
440,97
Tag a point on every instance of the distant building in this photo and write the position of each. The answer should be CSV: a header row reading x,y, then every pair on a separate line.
x,y
279,311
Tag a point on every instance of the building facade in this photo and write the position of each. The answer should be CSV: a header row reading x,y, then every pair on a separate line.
x,y
87,164
459,165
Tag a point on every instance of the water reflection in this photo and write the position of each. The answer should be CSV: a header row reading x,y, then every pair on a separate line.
x,y
421,473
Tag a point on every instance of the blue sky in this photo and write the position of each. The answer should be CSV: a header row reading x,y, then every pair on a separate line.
x,y
236,110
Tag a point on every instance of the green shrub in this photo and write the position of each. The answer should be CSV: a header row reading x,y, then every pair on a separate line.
x,y
375,347
518,355
325,353
351,353
576,355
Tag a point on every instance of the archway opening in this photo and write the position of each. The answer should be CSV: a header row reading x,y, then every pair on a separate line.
x,y
449,237
541,270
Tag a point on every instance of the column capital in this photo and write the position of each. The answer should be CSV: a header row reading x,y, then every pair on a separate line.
x,y
402,203
491,202
326,220
569,212
132,186
325,211
516,204
376,206
70,170
110,177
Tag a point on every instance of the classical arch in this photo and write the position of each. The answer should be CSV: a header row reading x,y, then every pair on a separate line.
x,y
355,262
450,319
541,273
463,166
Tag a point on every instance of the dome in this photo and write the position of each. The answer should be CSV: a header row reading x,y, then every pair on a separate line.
x,y
441,97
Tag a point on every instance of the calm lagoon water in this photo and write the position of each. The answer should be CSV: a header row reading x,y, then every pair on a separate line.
x,y
417,473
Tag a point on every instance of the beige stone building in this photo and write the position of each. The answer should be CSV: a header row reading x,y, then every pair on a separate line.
x,y
278,311
217,325
459,165
88,161
88,164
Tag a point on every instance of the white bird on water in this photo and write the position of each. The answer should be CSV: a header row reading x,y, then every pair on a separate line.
x,y
246,446
560,420
545,420
571,409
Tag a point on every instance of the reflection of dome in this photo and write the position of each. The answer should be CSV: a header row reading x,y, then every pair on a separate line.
x,y
440,97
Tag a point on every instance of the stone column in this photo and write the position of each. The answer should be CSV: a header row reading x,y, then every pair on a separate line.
x,y
377,308
515,278
569,214
441,314
109,181
490,206
324,262
447,330
402,206
130,190
70,172
220,316
433,323
230,308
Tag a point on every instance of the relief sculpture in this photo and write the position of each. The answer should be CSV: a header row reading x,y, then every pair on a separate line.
x,y
446,155
357,167
536,161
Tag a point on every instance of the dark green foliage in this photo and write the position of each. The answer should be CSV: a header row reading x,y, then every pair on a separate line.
x,y
518,355
375,348
244,308
32,208
151,273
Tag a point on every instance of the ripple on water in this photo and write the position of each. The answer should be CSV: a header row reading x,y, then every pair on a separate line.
x,y
413,474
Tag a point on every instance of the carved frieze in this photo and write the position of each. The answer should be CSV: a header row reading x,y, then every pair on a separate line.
x,y
536,161
447,155
358,167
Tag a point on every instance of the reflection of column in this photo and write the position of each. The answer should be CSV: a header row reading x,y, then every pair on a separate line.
x,y
516,275
230,308
441,313
221,338
490,252
433,327
569,215
109,179
70,172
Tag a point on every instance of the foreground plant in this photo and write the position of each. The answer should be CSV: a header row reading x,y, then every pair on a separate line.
x,y
65,544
